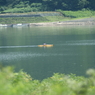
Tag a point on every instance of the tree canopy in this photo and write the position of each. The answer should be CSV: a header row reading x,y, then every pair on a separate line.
x,y
48,5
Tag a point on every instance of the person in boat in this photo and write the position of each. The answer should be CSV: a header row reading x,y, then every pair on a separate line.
x,y
44,44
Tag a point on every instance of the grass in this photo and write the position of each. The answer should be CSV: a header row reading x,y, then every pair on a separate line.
x,y
15,20
78,14
12,83
66,15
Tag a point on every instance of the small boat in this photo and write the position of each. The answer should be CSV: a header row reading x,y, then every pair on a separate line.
x,y
20,25
3,25
47,45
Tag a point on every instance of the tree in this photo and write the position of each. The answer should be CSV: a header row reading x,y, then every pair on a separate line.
x,y
2,2
50,5
82,4
66,4
91,4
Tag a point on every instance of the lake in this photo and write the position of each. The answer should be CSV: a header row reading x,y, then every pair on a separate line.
x,y
73,50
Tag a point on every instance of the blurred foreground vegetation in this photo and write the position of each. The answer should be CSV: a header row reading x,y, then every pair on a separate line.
x,y
12,83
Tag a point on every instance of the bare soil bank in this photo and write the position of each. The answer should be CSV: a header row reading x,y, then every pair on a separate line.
x,y
86,21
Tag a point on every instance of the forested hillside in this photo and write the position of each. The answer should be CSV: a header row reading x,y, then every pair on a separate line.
x,y
47,5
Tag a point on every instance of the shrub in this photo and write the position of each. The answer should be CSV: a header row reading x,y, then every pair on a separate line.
x,y
78,14
21,83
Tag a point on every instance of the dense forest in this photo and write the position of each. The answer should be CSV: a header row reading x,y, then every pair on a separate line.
x,y
48,5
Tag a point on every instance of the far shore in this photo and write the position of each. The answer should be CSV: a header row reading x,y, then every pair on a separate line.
x,y
86,21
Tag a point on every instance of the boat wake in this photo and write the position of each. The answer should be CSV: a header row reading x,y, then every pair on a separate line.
x,y
27,46
80,42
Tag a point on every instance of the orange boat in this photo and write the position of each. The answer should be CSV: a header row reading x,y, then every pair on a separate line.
x,y
47,45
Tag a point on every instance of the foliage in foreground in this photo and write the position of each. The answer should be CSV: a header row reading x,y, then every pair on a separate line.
x,y
20,83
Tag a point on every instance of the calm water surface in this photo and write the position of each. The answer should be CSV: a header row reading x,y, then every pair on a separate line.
x,y
73,51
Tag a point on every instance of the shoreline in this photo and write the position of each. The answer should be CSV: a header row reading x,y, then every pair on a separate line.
x,y
61,23
86,21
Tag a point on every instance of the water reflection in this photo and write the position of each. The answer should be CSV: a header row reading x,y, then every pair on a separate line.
x,y
17,55
20,55
80,42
